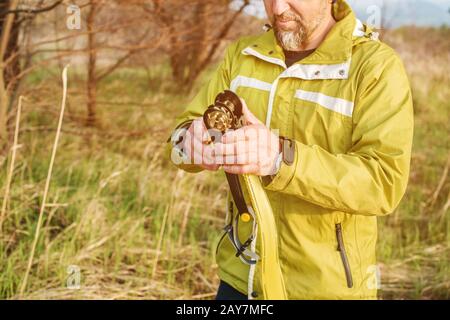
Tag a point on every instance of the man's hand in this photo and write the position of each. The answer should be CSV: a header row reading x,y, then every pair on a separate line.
x,y
252,149
195,147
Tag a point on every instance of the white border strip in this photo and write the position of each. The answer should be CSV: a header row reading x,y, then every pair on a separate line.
x,y
249,51
319,71
338,105
359,29
251,271
271,101
241,81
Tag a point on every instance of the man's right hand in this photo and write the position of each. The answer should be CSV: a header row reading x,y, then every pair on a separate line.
x,y
196,149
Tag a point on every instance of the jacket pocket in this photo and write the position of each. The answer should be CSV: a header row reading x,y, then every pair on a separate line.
x,y
343,253
316,125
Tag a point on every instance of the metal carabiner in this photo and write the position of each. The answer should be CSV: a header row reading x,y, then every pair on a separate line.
x,y
246,255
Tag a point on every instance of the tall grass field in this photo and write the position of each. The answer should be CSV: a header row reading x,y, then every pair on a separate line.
x,y
128,225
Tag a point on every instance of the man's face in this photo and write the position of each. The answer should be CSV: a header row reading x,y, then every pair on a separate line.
x,y
295,20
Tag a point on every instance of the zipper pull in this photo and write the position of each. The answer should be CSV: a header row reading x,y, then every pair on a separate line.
x,y
339,236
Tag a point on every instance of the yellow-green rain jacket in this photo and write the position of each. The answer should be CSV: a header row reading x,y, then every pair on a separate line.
x,y
348,107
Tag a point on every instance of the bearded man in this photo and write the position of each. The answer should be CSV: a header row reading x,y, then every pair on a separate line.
x,y
342,100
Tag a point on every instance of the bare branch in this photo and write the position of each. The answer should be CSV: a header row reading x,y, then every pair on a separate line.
x,y
34,11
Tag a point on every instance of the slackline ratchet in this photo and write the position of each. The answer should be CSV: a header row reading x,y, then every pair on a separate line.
x,y
225,114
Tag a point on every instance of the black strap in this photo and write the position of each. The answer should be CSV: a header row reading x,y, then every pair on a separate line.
x,y
236,192
244,246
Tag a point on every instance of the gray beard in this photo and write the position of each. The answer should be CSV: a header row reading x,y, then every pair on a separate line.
x,y
295,39
291,40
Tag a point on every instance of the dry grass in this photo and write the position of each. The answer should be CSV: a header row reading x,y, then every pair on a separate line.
x,y
138,229
417,274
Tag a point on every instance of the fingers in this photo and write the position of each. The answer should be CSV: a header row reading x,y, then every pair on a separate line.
x,y
247,133
241,147
241,169
243,151
198,130
238,149
198,152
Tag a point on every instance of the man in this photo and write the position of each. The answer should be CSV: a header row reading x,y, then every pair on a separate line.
x,y
341,97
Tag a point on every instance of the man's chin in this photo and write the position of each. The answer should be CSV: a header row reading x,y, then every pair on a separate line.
x,y
290,41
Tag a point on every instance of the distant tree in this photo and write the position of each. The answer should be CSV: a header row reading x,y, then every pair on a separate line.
x,y
196,29
13,21
8,44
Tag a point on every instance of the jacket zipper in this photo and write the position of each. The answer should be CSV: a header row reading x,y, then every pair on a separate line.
x,y
344,258
220,241
230,215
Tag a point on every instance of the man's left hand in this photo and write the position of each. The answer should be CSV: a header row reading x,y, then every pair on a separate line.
x,y
252,149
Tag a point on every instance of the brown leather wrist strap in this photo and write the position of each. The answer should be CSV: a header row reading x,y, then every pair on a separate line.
x,y
287,146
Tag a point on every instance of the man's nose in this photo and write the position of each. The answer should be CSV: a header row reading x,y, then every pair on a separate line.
x,y
280,6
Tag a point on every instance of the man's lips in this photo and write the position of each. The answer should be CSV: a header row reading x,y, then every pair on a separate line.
x,y
285,20
285,23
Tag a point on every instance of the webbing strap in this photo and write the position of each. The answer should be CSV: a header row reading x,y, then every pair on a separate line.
x,y
272,282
